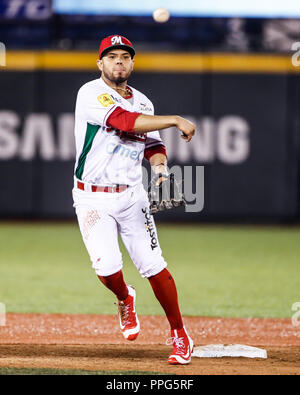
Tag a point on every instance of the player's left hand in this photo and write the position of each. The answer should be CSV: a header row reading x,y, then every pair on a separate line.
x,y
165,193
161,171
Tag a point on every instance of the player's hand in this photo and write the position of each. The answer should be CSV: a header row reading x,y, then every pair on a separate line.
x,y
187,128
166,195
163,171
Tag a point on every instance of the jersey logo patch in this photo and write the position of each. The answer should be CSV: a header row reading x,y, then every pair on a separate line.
x,y
105,99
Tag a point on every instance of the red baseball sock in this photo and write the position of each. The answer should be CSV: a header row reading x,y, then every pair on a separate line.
x,y
165,291
116,284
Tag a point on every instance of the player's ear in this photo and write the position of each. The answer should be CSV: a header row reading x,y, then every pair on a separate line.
x,y
99,64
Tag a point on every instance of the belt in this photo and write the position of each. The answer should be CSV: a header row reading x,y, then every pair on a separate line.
x,y
97,188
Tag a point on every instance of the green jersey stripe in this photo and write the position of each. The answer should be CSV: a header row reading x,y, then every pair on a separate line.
x,y
91,132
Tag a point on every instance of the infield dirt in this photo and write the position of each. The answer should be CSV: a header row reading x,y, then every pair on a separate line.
x,y
94,342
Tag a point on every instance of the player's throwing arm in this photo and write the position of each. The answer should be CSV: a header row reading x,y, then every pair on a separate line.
x,y
147,123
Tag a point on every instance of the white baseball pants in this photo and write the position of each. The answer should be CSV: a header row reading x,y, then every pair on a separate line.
x,y
102,216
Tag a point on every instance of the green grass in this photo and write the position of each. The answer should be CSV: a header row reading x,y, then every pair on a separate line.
x,y
67,372
228,271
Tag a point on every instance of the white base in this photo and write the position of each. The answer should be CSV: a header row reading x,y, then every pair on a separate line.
x,y
228,350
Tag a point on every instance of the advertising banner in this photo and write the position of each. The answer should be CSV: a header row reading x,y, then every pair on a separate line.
x,y
245,148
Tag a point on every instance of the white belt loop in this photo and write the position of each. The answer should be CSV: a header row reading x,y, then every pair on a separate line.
x,y
87,187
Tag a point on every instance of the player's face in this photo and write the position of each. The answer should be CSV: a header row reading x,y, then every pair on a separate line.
x,y
116,65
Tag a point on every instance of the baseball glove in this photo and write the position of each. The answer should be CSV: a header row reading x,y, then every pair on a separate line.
x,y
165,195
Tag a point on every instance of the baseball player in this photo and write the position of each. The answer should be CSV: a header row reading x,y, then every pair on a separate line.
x,y
115,128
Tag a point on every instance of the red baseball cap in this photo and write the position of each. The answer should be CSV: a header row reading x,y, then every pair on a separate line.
x,y
115,41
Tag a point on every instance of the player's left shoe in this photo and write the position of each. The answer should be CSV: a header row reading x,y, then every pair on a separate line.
x,y
129,322
182,347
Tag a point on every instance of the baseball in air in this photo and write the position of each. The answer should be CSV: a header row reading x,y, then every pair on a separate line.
x,y
161,15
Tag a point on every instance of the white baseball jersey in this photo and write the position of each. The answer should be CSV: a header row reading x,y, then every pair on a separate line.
x,y
105,156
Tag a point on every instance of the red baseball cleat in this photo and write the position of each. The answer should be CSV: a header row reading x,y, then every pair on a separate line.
x,y
129,322
182,347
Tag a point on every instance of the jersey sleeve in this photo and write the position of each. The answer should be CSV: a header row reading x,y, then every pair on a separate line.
x,y
154,145
95,108
153,139
157,149
122,119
